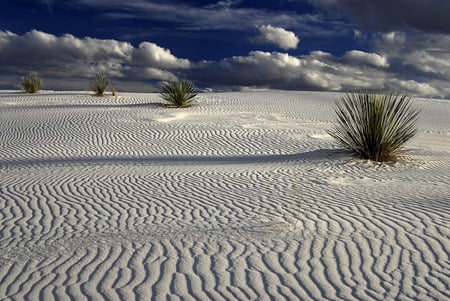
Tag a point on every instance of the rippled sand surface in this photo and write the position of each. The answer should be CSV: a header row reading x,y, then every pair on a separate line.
x,y
243,196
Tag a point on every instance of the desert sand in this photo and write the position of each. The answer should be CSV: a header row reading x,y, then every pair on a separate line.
x,y
243,196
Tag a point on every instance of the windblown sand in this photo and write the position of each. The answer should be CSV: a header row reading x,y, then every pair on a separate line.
x,y
243,196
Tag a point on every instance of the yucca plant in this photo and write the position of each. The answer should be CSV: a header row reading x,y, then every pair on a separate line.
x,y
178,94
99,83
375,126
31,83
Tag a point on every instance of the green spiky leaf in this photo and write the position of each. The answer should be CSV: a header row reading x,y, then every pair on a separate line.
x,y
32,83
178,94
375,126
99,83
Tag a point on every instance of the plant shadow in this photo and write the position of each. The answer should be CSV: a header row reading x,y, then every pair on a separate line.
x,y
321,154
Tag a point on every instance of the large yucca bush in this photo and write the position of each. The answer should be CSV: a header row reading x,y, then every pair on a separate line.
x,y
375,126
99,83
31,83
178,94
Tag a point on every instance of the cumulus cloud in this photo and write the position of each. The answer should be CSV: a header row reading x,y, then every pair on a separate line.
x,y
150,54
70,57
319,70
425,55
274,70
397,62
364,58
413,87
413,35
279,36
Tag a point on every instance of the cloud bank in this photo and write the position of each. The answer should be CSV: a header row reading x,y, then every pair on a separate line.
x,y
398,62
75,59
319,70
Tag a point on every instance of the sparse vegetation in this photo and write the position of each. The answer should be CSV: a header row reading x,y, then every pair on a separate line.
x,y
375,126
99,83
178,94
32,83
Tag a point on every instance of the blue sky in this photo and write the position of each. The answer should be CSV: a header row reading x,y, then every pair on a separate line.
x,y
330,45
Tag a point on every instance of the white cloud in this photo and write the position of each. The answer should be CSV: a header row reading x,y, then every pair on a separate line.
x,y
393,37
415,64
150,54
278,36
413,87
319,70
225,4
257,69
364,58
421,55
37,49
67,56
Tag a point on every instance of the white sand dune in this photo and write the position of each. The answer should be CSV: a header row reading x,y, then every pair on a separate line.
x,y
241,197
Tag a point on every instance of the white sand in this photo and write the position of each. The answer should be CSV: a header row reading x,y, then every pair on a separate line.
x,y
241,197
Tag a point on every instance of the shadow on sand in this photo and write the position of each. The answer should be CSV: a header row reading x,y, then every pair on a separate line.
x,y
74,106
86,106
321,154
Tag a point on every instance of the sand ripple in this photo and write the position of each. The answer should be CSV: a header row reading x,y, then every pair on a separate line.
x,y
243,197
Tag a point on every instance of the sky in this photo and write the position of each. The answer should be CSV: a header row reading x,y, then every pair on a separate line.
x,y
317,45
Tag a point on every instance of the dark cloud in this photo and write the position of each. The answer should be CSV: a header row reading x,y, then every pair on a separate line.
x,y
195,16
389,15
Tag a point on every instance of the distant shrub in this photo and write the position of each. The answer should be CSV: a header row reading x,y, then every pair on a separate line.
x,y
375,126
31,83
99,83
178,94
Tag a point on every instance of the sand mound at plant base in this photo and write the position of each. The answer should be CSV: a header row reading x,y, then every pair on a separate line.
x,y
243,196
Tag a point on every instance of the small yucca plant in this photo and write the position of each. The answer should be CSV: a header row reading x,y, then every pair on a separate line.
x,y
375,126
99,83
178,94
32,83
